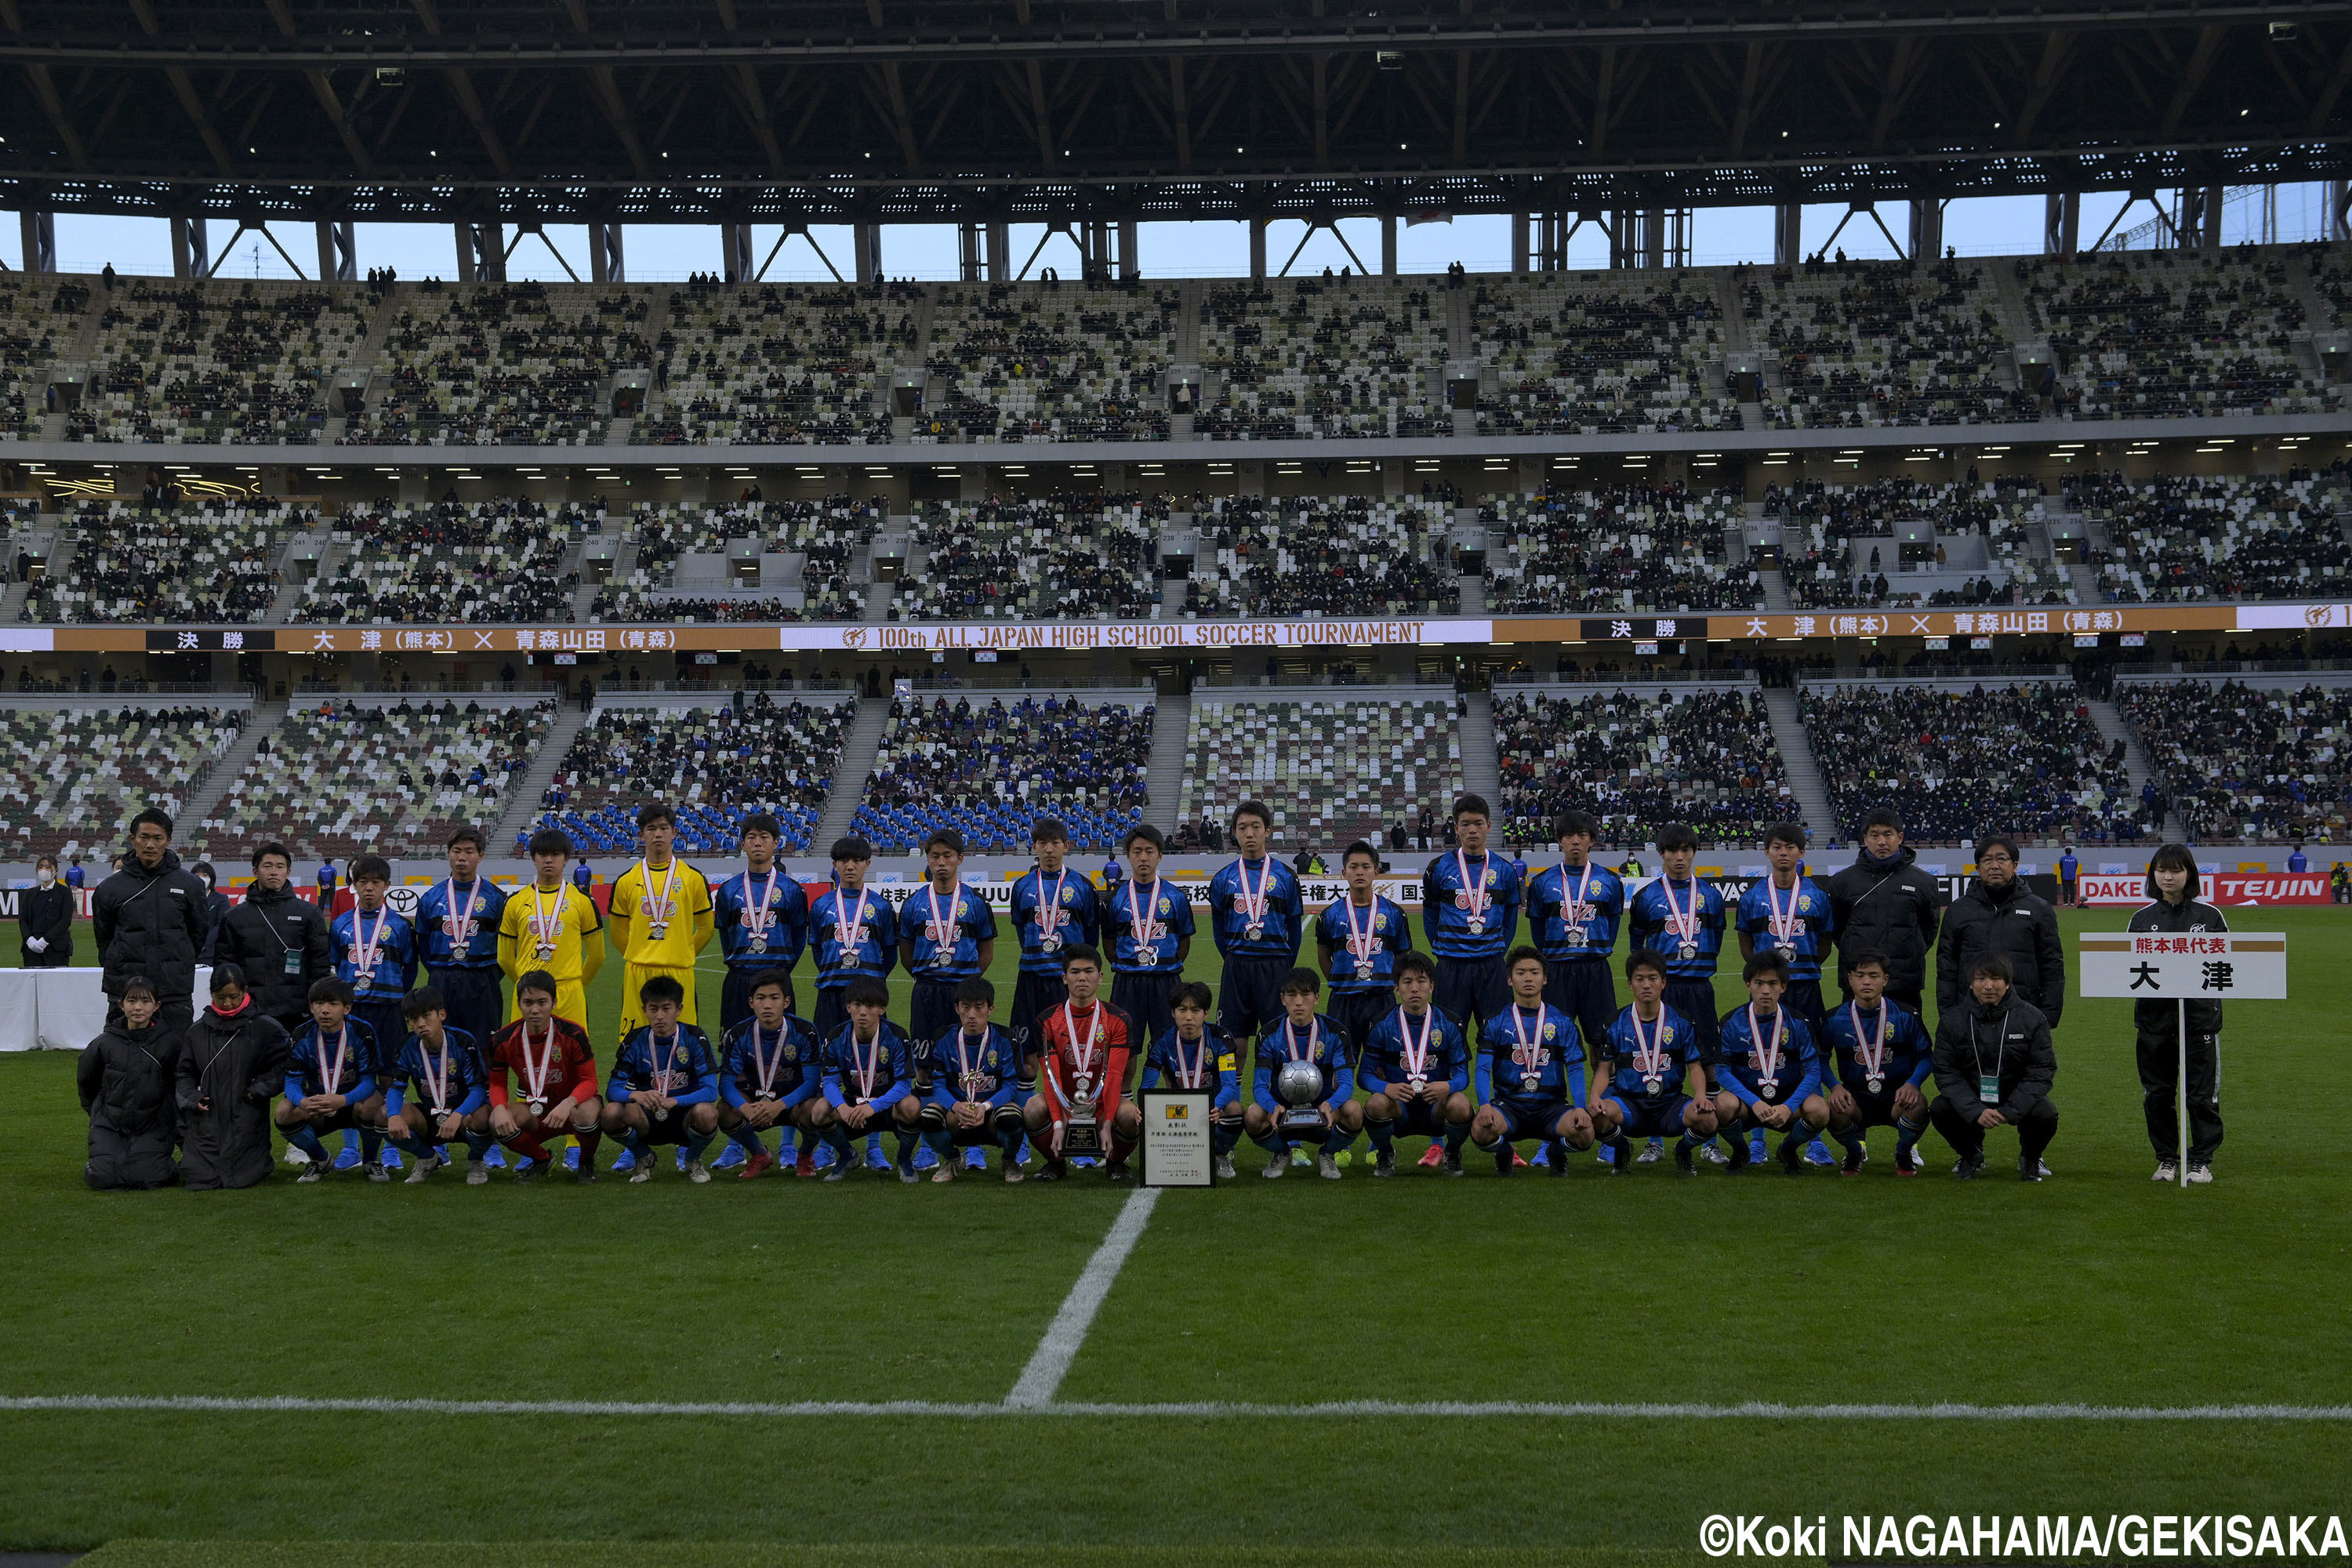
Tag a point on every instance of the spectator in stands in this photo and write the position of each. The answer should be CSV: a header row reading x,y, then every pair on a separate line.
x,y
45,917
278,937
150,919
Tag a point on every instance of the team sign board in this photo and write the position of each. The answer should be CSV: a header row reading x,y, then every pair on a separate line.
x,y
2171,966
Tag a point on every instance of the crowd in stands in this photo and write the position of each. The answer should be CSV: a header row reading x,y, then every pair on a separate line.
x,y
2240,762
828,534
73,777
1588,354
1332,770
1320,556
2027,756
1296,358
2162,334
626,605
1839,542
714,766
2180,537
1045,557
37,319
1882,343
989,770
482,562
342,778
1639,760
202,562
1050,361
502,363
1625,547
777,365
183,360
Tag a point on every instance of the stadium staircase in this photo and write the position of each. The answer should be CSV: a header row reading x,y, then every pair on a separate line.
x,y
1472,585
1776,590
522,806
205,797
1482,768
1171,724
2085,581
2110,720
290,587
1805,779
858,749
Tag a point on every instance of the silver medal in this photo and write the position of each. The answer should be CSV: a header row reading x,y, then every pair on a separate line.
x,y
1688,949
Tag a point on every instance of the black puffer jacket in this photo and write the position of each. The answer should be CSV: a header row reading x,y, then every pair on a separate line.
x,y
257,935
229,1070
126,1080
2013,922
151,921
2159,1021
2010,1040
1888,906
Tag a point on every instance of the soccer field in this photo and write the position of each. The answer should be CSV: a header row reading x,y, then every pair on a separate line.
x,y
1539,1367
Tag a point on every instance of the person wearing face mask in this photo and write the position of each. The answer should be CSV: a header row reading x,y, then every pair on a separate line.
x,y
45,913
278,937
232,1064
1998,915
216,907
2173,906
125,1080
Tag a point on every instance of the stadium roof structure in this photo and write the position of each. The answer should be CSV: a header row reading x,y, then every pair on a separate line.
x,y
943,110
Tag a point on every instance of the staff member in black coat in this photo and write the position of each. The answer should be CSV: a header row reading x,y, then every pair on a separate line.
x,y
278,938
232,1064
127,1079
45,916
216,907
1884,904
150,920
2172,907
1994,1067
1998,915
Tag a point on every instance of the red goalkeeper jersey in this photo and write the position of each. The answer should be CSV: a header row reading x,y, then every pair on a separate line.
x,y
1101,1042
544,1071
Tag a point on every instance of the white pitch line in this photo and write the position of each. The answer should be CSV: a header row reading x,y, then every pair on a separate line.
x,y
1051,1361
200,1404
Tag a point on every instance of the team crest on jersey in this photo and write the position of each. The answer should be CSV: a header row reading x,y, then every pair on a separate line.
x,y
1552,1031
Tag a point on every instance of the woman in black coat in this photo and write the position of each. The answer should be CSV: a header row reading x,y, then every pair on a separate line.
x,y
232,1065
45,915
127,1079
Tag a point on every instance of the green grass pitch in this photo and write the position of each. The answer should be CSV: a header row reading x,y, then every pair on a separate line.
x,y
2095,1289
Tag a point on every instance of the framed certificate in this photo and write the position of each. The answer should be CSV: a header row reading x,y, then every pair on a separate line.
x,y
1176,1152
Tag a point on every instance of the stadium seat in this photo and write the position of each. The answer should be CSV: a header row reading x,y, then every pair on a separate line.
x,y
1332,770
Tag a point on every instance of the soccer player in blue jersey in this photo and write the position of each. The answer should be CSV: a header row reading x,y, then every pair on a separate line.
x,y
1359,938
869,1081
1788,913
856,935
1470,909
375,954
458,922
1531,1073
1415,1069
330,1080
1680,918
665,1086
762,916
1051,907
1769,1067
1573,909
1650,1080
772,1076
439,1090
1258,919
1149,921
947,935
975,1097
1194,1054
1303,1035
1883,1058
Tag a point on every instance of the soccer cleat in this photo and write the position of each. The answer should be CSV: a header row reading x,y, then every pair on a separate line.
x,y
1739,1160
571,1158
1683,1164
1652,1152
1712,1152
756,1166
1758,1151
874,1158
1346,1157
1907,1162
839,1170
905,1166
1558,1167
1433,1155
805,1163
643,1170
1083,1162
348,1157
2199,1175
1793,1159
392,1159
526,1170
2041,1166
1855,1159
424,1167
1453,1166
2028,1169
1014,1173
1620,1155
585,1173
312,1174
1817,1153
1543,1155
1117,1171
1504,1158
698,1172
1275,1163
976,1158
625,1162
729,1157
677,1159
1969,1164
824,1156
495,1158
1327,1167
1383,1164
477,1172
375,1171
1222,1169
925,1157
1300,1157
2166,1171
1054,1170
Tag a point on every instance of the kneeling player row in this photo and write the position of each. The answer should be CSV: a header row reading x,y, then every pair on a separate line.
x,y
972,1087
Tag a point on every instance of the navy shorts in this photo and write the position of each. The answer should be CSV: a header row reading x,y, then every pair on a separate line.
x,y
1645,1118
670,1129
476,1002
1803,998
1530,1117
735,993
391,1034
1747,1077
1422,1119
1144,999
932,1012
1356,1013
1468,987
1033,996
1875,1109
1249,997
1584,990
830,1013
1695,1000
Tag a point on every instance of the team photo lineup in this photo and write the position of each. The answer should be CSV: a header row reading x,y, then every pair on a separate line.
x,y
463,1036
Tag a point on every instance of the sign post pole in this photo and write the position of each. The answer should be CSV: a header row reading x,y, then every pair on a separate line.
x,y
2180,1099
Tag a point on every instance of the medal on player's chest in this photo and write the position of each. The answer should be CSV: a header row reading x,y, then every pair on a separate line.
x,y
1873,1051
367,948
457,925
657,909
970,1075
1049,912
1472,897
1783,924
1363,942
1768,1051
665,1075
759,913
1684,921
437,1084
1252,901
1416,1051
535,1072
1528,1054
942,925
544,926
1650,1052
852,932
1578,910
1145,907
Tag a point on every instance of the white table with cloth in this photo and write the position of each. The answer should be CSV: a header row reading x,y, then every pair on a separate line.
x,y
61,1009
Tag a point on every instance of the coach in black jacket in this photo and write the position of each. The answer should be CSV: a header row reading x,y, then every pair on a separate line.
x,y
1997,915
1994,1066
2172,906
1884,903
150,918
278,938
